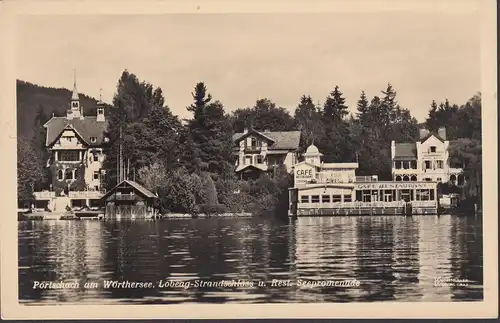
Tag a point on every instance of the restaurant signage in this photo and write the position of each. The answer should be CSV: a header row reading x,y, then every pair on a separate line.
x,y
393,185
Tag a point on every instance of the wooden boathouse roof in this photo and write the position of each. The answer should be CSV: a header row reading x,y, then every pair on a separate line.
x,y
138,187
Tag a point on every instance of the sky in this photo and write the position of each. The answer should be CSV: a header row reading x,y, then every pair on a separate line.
x,y
244,57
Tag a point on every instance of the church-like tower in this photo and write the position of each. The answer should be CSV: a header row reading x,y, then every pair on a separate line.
x,y
76,109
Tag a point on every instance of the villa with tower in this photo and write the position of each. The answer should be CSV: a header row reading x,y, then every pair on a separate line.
x,y
75,143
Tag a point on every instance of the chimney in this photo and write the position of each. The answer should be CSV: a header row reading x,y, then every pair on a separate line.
x,y
245,130
442,132
423,132
267,130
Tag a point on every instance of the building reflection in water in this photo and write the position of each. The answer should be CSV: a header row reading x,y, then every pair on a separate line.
x,y
393,258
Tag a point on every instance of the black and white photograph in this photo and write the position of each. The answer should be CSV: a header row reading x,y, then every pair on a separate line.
x,y
250,158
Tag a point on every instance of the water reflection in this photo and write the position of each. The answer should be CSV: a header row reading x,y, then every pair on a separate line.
x,y
393,258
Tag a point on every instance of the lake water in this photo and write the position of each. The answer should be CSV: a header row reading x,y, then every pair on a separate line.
x,y
393,258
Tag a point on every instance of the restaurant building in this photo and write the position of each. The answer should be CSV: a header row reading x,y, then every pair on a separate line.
x,y
334,189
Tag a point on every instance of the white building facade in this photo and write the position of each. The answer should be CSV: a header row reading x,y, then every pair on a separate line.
x,y
76,144
424,160
263,151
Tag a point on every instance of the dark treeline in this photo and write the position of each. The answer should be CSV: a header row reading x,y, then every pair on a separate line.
x,y
190,163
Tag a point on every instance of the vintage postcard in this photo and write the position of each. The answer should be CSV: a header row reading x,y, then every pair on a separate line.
x,y
243,159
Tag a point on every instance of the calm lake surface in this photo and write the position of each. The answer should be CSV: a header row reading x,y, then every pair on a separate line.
x,y
393,258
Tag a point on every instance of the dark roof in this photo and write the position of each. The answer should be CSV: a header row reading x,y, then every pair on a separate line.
x,y
141,189
405,150
86,128
430,134
285,140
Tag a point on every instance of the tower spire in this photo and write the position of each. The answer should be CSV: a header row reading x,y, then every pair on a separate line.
x,y
74,95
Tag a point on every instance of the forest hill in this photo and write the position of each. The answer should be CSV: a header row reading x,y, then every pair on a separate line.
x,y
190,164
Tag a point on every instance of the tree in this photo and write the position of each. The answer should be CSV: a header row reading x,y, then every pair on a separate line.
x,y
29,169
153,177
264,115
38,144
467,154
308,120
335,144
142,125
335,107
209,135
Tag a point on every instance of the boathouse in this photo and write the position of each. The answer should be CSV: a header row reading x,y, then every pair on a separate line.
x,y
129,200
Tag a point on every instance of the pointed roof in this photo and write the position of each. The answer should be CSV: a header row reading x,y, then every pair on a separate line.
x,y
138,187
280,140
432,134
75,96
87,127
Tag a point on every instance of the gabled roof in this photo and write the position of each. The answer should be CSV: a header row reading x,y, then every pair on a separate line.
x,y
405,150
430,134
141,189
286,140
253,132
87,127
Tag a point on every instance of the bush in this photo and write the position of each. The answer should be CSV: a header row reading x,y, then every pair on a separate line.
x,y
212,209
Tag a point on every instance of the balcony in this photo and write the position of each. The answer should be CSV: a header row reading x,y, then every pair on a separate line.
x,y
125,197
85,194
44,195
253,149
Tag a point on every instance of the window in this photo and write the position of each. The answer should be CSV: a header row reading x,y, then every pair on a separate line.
x,y
336,198
427,164
96,187
69,155
433,149
439,164
96,157
253,142
100,111
413,164
60,175
93,139
304,199
397,165
68,174
439,179
259,159
75,104
406,165
315,199
75,174
96,175
68,138
325,198
347,198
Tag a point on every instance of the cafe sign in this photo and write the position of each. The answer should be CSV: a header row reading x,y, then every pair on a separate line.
x,y
398,185
304,172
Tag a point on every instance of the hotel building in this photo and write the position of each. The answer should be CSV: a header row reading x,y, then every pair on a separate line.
x,y
424,160
75,143
262,151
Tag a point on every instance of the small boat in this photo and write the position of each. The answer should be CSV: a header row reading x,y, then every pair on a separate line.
x,y
86,212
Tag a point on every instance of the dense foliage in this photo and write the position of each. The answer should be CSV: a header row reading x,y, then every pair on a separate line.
x,y
190,164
